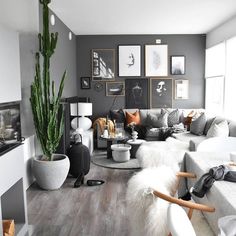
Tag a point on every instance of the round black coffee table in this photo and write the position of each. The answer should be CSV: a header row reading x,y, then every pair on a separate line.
x,y
113,139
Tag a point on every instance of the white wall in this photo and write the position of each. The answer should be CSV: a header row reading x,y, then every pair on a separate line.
x,y
221,33
10,89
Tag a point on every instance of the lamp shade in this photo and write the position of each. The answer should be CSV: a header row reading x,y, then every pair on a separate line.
x,y
81,109
85,109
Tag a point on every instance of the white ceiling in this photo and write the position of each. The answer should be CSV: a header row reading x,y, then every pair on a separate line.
x,y
20,15
86,17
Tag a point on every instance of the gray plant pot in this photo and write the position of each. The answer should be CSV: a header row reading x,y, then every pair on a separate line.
x,y
50,175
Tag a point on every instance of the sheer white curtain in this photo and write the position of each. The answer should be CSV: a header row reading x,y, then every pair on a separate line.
x,y
230,80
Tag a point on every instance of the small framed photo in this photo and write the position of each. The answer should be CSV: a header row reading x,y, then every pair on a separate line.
x,y
85,83
181,89
161,93
103,64
156,60
115,89
177,65
129,60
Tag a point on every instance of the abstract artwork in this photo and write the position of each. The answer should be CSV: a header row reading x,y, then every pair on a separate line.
x,y
129,60
177,65
115,89
181,89
156,60
161,93
85,83
136,95
103,64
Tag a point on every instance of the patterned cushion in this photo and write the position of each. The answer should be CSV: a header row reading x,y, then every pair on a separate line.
x,y
173,116
135,117
197,126
157,121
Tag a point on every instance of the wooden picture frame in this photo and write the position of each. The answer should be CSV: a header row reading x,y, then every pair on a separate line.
x,y
181,89
85,82
156,60
177,65
136,93
103,64
115,89
161,92
129,60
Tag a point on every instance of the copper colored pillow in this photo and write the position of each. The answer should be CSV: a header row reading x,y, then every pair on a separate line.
x,y
135,117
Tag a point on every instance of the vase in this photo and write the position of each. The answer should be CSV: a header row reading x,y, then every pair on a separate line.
x,y
134,135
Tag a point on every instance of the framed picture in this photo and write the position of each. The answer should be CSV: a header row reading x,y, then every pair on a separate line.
x,y
129,60
156,60
136,94
103,64
161,92
177,65
115,89
85,83
181,89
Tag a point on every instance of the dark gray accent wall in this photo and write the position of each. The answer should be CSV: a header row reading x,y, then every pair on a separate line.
x,y
192,46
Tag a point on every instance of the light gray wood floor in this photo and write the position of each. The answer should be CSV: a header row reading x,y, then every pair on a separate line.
x,y
85,211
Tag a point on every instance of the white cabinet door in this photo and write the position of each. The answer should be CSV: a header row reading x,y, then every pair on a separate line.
x,y
10,83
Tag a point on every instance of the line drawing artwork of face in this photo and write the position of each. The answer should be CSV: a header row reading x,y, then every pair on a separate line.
x,y
161,88
131,60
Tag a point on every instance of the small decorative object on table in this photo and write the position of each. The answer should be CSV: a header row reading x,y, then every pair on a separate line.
x,y
134,133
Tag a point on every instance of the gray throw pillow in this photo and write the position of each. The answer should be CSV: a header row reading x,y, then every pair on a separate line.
x,y
157,121
198,125
173,117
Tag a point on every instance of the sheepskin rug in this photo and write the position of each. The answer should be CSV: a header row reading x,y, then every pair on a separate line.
x,y
170,152
147,213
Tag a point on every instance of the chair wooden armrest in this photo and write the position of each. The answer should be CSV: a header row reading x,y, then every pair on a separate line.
x,y
183,203
186,175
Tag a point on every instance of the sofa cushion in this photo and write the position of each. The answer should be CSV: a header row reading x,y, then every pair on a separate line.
x,y
153,134
119,116
197,126
208,124
218,130
157,121
173,116
145,112
232,128
135,117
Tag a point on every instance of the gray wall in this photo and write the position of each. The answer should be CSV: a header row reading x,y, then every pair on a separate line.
x,y
63,59
192,46
221,33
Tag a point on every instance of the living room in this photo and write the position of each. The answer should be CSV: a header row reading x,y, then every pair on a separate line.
x,y
192,42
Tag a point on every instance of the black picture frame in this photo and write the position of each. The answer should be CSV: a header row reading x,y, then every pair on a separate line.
x,y
129,60
137,93
115,89
103,64
177,64
161,92
85,82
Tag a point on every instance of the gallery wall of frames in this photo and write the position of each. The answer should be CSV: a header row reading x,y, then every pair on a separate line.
x,y
144,75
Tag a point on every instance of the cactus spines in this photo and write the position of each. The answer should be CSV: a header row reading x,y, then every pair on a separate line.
x,y
45,103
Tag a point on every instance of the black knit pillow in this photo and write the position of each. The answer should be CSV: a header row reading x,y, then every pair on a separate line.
x,y
119,116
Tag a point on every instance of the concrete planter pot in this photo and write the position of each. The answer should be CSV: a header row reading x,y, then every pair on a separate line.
x,y
50,175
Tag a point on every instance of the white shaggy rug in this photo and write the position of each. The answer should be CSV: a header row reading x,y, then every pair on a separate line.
x,y
170,153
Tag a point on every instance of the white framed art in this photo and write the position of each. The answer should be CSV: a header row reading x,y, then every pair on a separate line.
x,y
129,60
181,89
156,60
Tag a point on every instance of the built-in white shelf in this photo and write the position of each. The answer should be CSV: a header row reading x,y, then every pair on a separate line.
x,y
12,191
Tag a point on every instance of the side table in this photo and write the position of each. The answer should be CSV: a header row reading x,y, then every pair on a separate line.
x,y
134,146
110,140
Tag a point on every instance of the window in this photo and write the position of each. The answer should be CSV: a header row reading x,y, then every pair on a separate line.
x,y
220,74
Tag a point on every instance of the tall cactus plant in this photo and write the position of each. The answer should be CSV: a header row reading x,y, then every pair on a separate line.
x,y
44,102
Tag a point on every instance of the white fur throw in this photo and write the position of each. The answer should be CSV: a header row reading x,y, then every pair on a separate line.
x,y
147,213
170,152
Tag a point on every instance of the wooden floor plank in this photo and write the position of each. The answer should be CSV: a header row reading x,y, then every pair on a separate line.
x,y
85,211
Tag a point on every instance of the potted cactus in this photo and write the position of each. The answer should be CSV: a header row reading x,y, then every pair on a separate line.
x,y
49,169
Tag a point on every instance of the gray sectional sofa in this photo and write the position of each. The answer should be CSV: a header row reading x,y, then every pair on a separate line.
x,y
152,134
